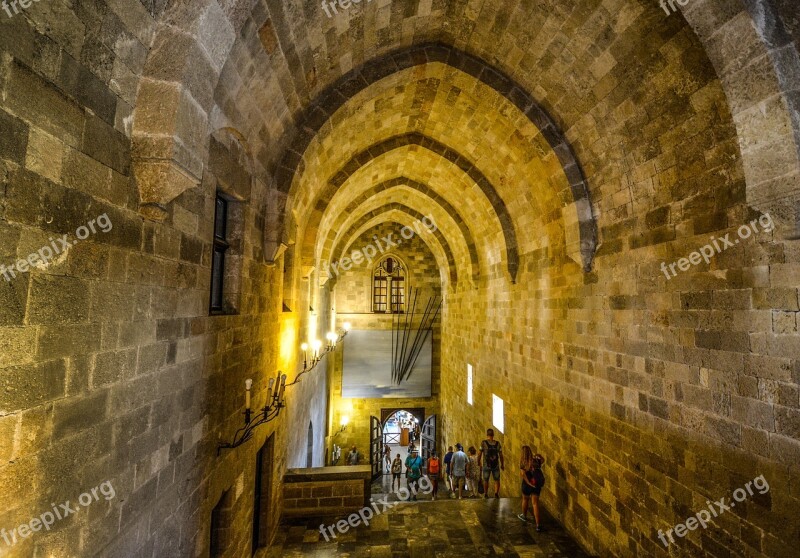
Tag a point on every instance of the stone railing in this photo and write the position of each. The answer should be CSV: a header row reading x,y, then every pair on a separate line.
x,y
326,491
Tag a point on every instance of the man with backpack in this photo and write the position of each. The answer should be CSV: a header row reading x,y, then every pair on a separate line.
x,y
413,472
491,455
434,466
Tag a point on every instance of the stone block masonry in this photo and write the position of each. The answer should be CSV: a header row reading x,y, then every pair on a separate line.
x,y
59,246
49,518
648,396
326,491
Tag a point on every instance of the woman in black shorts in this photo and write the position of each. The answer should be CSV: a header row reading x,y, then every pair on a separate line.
x,y
397,468
532,481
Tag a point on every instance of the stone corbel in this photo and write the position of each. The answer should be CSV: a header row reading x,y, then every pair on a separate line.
x,y
271,259
160,181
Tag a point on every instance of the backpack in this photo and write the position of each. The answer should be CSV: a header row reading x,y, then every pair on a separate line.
x,y
433,465
492,454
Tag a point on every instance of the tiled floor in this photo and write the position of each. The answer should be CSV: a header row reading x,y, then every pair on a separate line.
x,y
441,529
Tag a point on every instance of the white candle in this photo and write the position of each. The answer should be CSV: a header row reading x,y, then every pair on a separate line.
x,y
283,387
247,385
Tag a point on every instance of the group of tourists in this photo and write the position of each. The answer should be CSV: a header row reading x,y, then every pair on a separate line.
x,y
471,471
469,474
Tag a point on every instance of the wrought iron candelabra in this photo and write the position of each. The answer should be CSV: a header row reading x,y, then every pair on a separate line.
x,y
271,410
311,359
276,390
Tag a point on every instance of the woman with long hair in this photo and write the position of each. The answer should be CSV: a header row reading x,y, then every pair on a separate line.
x,y
530,466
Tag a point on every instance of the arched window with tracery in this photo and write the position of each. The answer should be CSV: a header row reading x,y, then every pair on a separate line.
x,y
389,287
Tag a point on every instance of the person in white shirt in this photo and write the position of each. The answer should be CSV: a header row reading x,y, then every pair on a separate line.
x,y
459,466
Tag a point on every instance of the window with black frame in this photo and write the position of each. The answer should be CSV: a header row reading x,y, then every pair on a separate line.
x,y
379,290
398,298
221,246
388,287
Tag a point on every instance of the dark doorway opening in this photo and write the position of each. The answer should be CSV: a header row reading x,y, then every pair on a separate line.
x,y
262,491
220,525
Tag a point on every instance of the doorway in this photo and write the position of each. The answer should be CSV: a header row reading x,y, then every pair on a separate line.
x,y
262,532
401,428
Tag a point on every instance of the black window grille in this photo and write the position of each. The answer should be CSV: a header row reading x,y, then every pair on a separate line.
x,y
218,255
386,298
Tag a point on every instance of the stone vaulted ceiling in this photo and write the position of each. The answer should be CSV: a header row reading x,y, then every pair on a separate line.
x,y
535,125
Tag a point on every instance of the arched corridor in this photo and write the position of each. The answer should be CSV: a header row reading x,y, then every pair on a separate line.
x,y
238,236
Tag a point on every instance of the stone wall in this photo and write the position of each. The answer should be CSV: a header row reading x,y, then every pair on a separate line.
x,y
113,369
647,396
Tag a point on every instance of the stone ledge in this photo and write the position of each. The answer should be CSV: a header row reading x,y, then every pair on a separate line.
x,y
318,474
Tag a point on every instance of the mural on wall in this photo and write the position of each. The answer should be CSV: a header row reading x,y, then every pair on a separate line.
x,y
367,371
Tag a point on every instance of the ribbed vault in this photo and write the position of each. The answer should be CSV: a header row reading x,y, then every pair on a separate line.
x,y
444,180
401,219
412,204
438,205
487,189
381,215
507,166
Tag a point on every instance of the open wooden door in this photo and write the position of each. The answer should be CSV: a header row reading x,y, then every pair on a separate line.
x,y
376,446
428,437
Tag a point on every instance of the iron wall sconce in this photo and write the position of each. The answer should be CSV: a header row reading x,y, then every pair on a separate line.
x,y
345,421
275,402
313,357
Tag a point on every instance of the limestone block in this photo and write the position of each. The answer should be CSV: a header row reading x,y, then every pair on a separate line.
x,y
61,23
45,155
136,18
57,300
26,386
14,140
33,99
17,346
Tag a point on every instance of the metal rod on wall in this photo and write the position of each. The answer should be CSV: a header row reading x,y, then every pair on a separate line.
x,y
428,331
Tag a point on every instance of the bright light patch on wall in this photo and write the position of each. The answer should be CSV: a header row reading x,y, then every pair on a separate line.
x,y
469,384
497,413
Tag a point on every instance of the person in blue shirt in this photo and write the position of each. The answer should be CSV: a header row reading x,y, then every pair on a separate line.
x,y
448,457
414,472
